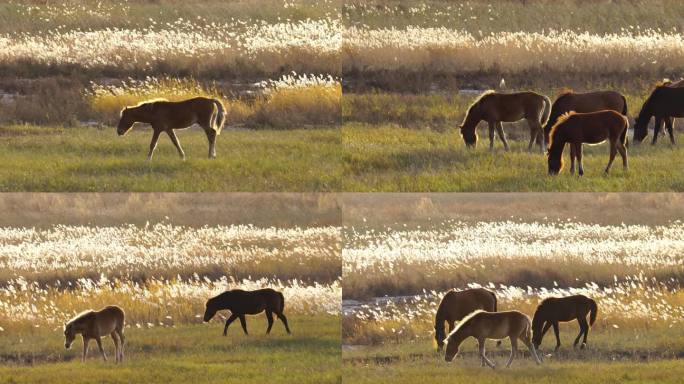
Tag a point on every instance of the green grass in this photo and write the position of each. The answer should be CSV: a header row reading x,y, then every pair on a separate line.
x,y
390,158
612,356
196,354
91,159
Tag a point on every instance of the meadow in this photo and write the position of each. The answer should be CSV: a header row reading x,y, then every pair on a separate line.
x,y
161,275
395,272
91,159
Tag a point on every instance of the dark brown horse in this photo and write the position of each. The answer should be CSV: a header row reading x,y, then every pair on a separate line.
x,y
456,305
241,303
584,103
165,116
665,103
553,310
591,128
495,108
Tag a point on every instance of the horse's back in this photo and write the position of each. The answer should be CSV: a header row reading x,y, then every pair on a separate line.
x,y
461,303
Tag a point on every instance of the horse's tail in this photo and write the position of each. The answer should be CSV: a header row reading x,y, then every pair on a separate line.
x,y
624,138
281,307
594,310
218,118
546,112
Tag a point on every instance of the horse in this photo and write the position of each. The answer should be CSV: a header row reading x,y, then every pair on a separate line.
x,y
553,310
95,324
456,305
584,103
591,128
241,303
492,325
165,116
664,103
495,108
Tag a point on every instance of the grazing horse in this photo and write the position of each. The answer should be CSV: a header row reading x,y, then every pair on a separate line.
x,y
456,305
492,325
584,103
165,116
590,128
553,310
95,324
241,303
664,103
495,108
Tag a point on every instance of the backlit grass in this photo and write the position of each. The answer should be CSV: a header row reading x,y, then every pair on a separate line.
x,y
91,159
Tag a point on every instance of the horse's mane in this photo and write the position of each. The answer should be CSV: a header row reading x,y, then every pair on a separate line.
x,y
464,321
143,103
561,119
80,316
479,98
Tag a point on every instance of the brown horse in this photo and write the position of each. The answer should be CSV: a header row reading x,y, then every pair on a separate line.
x,y
553,310
165,116
95,324
584,103
495,108
590,128
664,103
241,303
456,305
492,325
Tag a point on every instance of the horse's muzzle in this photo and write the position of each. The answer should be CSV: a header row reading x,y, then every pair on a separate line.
x,y
67,346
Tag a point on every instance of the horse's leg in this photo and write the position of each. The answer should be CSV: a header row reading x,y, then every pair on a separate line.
x,y
533,351
282,318
115,338
491,135
481,343
230,320
502,135
514,349
573,156
557,333
99,346
578,154
211,136
536,130
623,152
174,139
153,143
586,332
119,331
584,327
243,322
269,317
85,349
669,123
656,129
613,152
545,329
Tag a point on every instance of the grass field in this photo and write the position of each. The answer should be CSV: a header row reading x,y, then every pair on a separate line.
x,y
90,159
391,158
189,353
395,365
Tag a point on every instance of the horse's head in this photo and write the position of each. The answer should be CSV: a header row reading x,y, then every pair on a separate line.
x,y
469,136
451,348
555,163
210,310
440,336
640,129
69,335
126,122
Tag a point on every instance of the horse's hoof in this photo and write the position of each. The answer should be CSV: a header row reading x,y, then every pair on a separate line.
x,y
583,345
